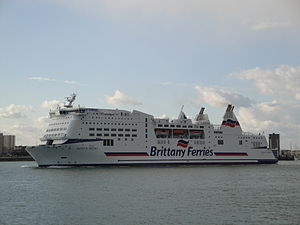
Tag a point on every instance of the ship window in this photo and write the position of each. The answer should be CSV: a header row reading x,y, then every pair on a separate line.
x,y
190,126
106,129
166,125
106,135
134,130
113,129
178,126
159,125
220,142
184,126
240,142
172,125
127,129
134,135
120,129
99,134
120,135
91,128
108,142
113,135
99,128
92,134
127,135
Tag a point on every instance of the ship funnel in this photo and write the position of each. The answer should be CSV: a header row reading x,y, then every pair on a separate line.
x,y
182,116
201,110
202,118
230,121
229,107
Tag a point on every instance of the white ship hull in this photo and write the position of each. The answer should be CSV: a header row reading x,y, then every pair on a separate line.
x,y
90,154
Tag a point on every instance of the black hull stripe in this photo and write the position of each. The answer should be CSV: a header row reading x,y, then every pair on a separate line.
x,y
74,141
216,162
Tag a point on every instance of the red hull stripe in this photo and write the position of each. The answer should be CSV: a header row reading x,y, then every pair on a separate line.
x,y
126,154
231,154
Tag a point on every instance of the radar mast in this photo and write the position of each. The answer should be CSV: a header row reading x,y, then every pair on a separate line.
x,y
70,100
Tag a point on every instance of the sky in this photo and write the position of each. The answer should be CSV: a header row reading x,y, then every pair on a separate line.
x,y
153,56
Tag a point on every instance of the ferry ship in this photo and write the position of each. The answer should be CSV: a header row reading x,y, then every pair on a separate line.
x,y
79,136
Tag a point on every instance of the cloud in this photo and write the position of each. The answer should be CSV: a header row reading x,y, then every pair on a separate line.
x,y
43,120
120,98
27,132
280,115
229,15
50,104
72,82
220,98
170,83
41,78
269,25
280,118
163,116
281,82
15,111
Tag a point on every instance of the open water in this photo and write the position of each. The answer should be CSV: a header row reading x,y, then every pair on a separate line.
x,y
247,194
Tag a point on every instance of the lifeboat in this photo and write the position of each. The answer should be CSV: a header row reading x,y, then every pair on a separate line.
x,y
162,132
178,132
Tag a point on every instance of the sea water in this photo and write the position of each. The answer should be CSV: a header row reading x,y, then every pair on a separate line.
x,y
240,194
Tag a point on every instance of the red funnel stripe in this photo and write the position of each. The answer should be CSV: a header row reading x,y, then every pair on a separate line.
x,y
231,154
126,154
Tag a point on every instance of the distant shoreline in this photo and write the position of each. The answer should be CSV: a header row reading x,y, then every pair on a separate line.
x,y
14,158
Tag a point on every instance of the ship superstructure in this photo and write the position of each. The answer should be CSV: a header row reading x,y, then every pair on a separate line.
x,y
79,136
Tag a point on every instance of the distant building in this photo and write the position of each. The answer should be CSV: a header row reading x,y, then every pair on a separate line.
x,y
274,144
20,151
1,144
7,144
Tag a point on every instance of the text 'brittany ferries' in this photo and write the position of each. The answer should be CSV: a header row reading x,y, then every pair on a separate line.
x,y
190,151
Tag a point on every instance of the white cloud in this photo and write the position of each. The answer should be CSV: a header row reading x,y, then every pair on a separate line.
x,y
41,78
15,111
50,104
163,116
219,97
269,25
280,118
43,120
120,98
27,132
281,82
72,82
170,83
279,115
229,15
